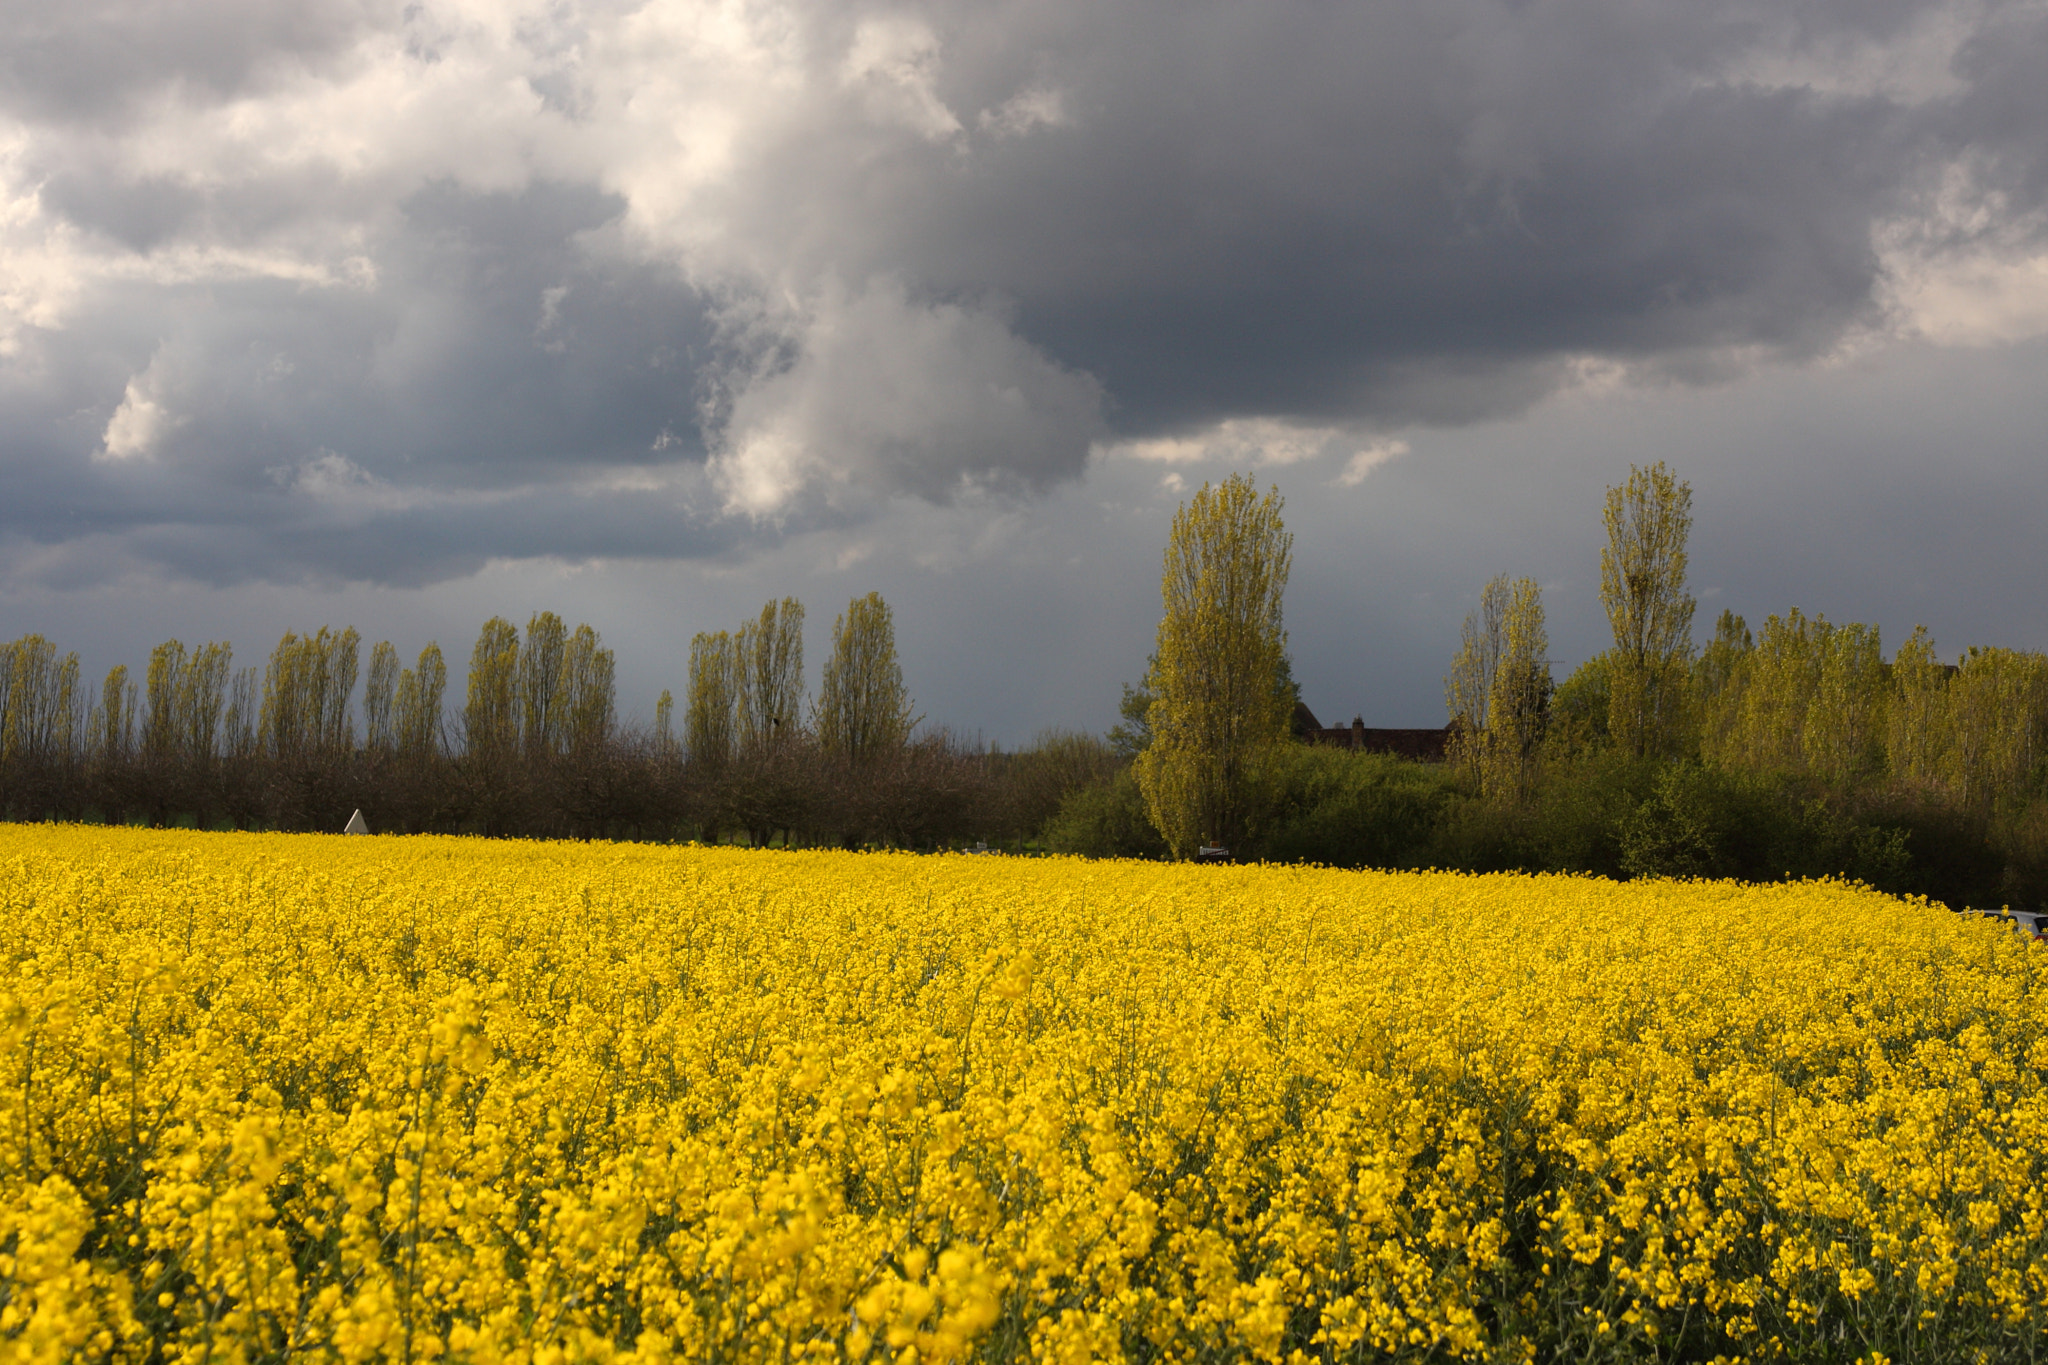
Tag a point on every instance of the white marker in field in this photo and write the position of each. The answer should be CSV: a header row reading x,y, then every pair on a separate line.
x,y
357,825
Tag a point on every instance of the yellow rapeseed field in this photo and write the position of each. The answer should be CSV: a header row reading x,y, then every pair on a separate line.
x,y
269,1096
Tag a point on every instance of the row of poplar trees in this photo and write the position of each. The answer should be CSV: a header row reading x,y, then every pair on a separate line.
x,y
1499,690
746,692
534,746
1802,697
1801,701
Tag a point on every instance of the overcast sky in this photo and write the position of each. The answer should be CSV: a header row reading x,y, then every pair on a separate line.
x,y
405,314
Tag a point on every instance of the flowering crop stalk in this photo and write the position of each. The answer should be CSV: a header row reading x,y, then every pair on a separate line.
x,y
416,1099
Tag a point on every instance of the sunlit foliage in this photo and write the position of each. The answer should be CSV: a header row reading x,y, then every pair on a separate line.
x,y
1643,587
862,713
1498,689
1222,646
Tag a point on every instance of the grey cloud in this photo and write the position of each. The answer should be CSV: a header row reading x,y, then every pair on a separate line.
x,y
881,392
491,384
326,521
949,249
99,60
2005,106
1289,208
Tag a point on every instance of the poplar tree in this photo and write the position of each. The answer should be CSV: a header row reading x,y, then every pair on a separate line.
x,y
1498,690
160,691
1215,706
1781,677
244,709
416,705
1997,724
1720,679
202,697
863,712
585,693
1845,720
708,721
490,720
1642,585
1916,728
39,699
185,693
380,689
664,724
1518,707
8,723
337,663
114,718
540,683
306,690
770,658
1468,688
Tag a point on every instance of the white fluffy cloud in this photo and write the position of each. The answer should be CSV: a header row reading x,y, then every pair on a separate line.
x,y
143,418
1259,442
873,392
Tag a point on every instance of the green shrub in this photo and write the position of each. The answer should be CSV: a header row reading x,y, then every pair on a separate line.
x,y
1105,820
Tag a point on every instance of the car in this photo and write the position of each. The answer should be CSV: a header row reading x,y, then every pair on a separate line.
x,y
2031,924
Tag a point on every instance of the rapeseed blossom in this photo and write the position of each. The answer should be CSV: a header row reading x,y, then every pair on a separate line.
x,y
414,1099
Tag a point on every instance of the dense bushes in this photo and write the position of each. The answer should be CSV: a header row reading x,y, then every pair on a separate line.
x,y
1599,811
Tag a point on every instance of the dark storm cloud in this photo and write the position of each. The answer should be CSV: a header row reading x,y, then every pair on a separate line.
x,y
370,292
402,431
1341,210
98,60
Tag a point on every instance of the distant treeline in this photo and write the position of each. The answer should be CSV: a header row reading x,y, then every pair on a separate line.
x,y
1798,751
535,747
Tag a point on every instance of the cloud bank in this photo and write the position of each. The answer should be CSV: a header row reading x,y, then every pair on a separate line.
x,y
369,291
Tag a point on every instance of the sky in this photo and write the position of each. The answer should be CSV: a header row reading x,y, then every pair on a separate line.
x,y
404,315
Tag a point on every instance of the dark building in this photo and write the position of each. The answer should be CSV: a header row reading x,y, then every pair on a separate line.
x,y
1423,746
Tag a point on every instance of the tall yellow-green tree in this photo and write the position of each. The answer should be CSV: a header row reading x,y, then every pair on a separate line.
x,y
39,701
416,705
185,692
1781,677
1468,688
1845,720
1519,706
240,734
1498,690
770,659
202,697
1997,723
708,716
540,681
862,711
380,693
665,725
307,686
586,692
1642,585
160,691
113,720
490,715
1719,679
1215,703
1916,729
